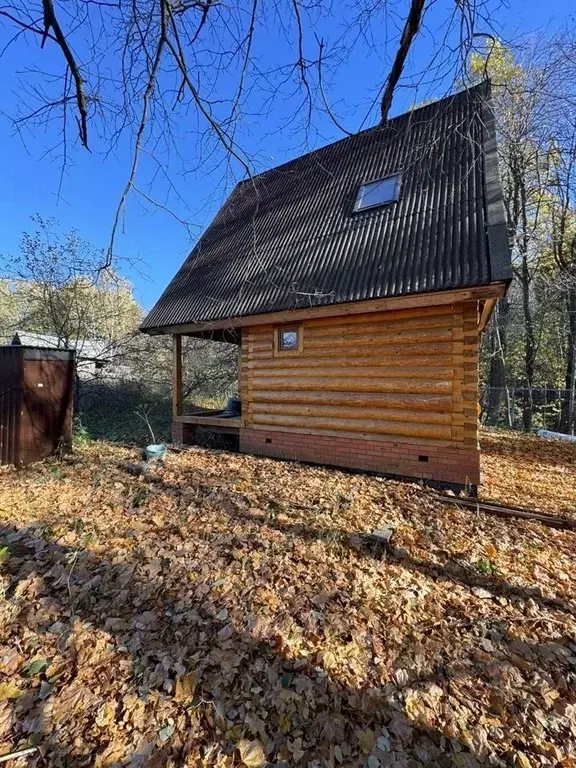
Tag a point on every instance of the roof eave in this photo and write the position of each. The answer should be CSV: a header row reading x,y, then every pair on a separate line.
x,y
495,289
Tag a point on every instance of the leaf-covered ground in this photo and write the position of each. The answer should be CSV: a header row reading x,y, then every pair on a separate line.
x,y
527,471
227,611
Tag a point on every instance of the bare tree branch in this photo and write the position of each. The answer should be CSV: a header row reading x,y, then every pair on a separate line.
x,y
409,32
51,22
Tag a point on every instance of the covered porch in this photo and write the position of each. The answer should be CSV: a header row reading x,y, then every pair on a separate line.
x,y
194,424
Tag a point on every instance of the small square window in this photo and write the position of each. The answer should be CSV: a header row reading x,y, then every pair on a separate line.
x,y
379,192
288,338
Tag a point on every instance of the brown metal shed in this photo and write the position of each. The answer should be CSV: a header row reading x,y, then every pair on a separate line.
x,y
36,402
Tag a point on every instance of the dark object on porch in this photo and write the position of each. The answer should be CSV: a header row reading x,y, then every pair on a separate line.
x,y
233,408
36,400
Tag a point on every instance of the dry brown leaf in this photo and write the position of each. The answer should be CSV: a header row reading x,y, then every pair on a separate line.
x,y
186,686
252,753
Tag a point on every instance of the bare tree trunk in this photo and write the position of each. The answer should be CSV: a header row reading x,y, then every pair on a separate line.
x,y
529,346
568,412
497,369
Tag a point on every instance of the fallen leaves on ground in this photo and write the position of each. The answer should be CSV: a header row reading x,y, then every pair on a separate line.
x,y
528,471
226,610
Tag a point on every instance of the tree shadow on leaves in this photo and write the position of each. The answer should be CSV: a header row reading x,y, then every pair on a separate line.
x,y
458,572
152,662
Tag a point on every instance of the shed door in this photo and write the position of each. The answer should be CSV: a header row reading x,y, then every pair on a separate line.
x,y
47,390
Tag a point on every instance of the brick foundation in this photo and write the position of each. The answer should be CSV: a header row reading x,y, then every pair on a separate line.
x,y
177,432
183,433
454,466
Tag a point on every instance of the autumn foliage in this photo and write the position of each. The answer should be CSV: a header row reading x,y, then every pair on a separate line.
x,y
227,610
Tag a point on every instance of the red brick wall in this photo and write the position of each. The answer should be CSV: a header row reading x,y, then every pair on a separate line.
x,y
177,432
454,465
182,433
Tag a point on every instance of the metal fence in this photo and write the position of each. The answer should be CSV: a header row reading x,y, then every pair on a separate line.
x,y
504,407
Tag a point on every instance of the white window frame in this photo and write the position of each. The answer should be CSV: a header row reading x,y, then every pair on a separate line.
x,y
358,207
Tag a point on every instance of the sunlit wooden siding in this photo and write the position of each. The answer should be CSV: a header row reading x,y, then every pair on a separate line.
x,y
410,374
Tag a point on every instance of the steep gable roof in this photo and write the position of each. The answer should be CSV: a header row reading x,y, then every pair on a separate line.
x,y
289,238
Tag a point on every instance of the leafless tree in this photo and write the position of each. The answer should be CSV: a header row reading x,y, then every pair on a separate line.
x,y
172,73
535,100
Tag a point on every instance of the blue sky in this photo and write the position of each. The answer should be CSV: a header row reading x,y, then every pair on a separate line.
x,y
93,181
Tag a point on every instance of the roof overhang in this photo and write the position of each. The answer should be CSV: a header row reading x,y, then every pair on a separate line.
x,y
225,330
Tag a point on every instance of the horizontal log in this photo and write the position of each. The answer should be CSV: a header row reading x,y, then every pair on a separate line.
x,y
444,374
419,402
394,326
384,338
390,315
359,412
209,421
357,425
401,354
435,364
352,384
260,355
405,351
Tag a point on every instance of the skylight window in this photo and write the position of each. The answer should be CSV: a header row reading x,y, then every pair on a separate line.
x,y
379,192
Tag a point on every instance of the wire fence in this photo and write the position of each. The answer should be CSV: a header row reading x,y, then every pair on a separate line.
x,y
505,407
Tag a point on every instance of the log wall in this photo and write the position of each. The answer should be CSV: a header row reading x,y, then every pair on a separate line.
x,y
393,391
409,376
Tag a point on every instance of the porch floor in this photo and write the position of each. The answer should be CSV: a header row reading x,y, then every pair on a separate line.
x,y
211,418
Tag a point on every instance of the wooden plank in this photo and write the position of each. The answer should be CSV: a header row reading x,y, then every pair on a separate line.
x,y
353,384
492,508
434,364
486,314
439,403
494,290
405,351
362,412
445,374
176,375
384,338
402,320
209,421
389,315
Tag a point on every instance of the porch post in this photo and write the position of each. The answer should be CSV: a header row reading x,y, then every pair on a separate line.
x,y
176,375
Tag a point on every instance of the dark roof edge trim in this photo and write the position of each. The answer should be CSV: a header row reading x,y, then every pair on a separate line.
x,y
494,289
496,229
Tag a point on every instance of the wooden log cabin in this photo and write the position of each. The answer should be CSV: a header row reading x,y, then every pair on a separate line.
x,y
356,280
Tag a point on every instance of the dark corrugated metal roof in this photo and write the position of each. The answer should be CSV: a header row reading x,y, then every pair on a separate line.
x,y
289,238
